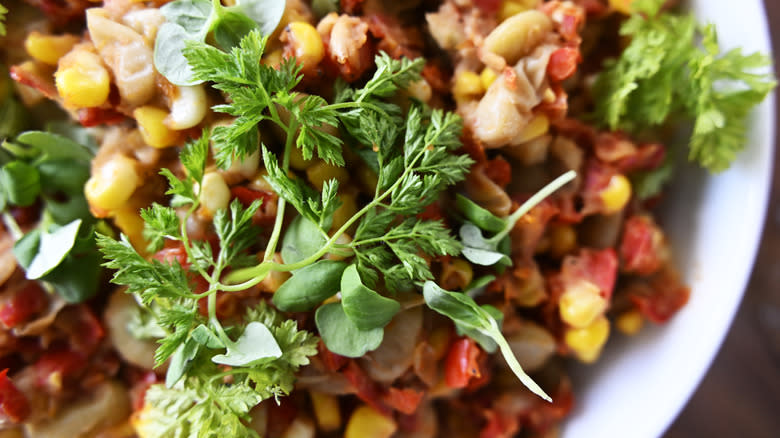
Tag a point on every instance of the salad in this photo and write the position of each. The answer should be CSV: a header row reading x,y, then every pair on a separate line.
x,y
340,218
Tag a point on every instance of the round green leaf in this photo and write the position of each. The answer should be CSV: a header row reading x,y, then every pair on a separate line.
x,y
20,182
309,286
366,308
342,336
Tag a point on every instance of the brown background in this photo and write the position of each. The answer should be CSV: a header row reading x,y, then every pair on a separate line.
x,y
740,396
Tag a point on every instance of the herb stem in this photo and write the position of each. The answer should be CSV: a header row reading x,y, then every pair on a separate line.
x,y
12,226
531,203
270,249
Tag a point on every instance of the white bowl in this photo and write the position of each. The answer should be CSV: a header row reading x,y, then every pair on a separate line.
x,y
640,384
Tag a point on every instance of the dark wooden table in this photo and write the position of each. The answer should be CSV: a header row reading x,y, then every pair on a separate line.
x,y
740,396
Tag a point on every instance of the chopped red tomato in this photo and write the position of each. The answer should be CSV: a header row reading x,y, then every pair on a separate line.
x,y
13,403
332,361
461,364
365,388
659,300
499,425
403,400
499,171
82,326
55,370
563,63
642,249
596,266
23,303
89,117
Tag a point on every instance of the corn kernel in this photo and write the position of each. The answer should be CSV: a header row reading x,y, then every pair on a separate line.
x,y
273,59
346,210
467,84
622,6
321,171
214,193
306,43
130,223
82,80
581,303
457,274
365,422
326,411
513,7
258,182
48,49
188,107
586,343
616,195
112,185
297,161
536,127
151,123
629,322
487,77
563,239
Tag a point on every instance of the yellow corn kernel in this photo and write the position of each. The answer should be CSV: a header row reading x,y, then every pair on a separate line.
x,y
518,35
297,161
616,195
467,84
563,239
586,343
439,340
536,127
111,186
326,411
48,49
258,182
273,59
580,304
629,322
306,42
346,210
365,422
487,77
321,171
514,7
622,6
214,193
81,79
130,223
151,123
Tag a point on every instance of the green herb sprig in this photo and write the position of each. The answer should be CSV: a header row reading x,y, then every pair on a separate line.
x,y
673,69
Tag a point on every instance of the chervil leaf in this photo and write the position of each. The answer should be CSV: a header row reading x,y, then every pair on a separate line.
x,y
664,74
160,223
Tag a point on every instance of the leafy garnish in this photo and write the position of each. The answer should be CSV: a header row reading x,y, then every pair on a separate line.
x,y
193,20
3,11
470,317
665,75
487,251
60,252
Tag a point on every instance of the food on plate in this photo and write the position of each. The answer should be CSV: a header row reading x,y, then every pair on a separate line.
x,y
340,218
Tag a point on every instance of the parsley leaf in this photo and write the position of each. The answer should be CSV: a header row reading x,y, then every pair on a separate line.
x,y
664,74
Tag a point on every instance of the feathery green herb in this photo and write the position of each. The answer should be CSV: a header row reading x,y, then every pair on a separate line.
x,y
665,74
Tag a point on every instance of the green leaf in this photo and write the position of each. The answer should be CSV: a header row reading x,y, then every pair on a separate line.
x,y
53,249
479,250
204,336
77,278
181,361
302,239
256,344
65,212
168,55
309,286
478,215
64,175
54,146
266,13
485,341
341,335
26,248
20,183
471,318
365,307
231,27
193,16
